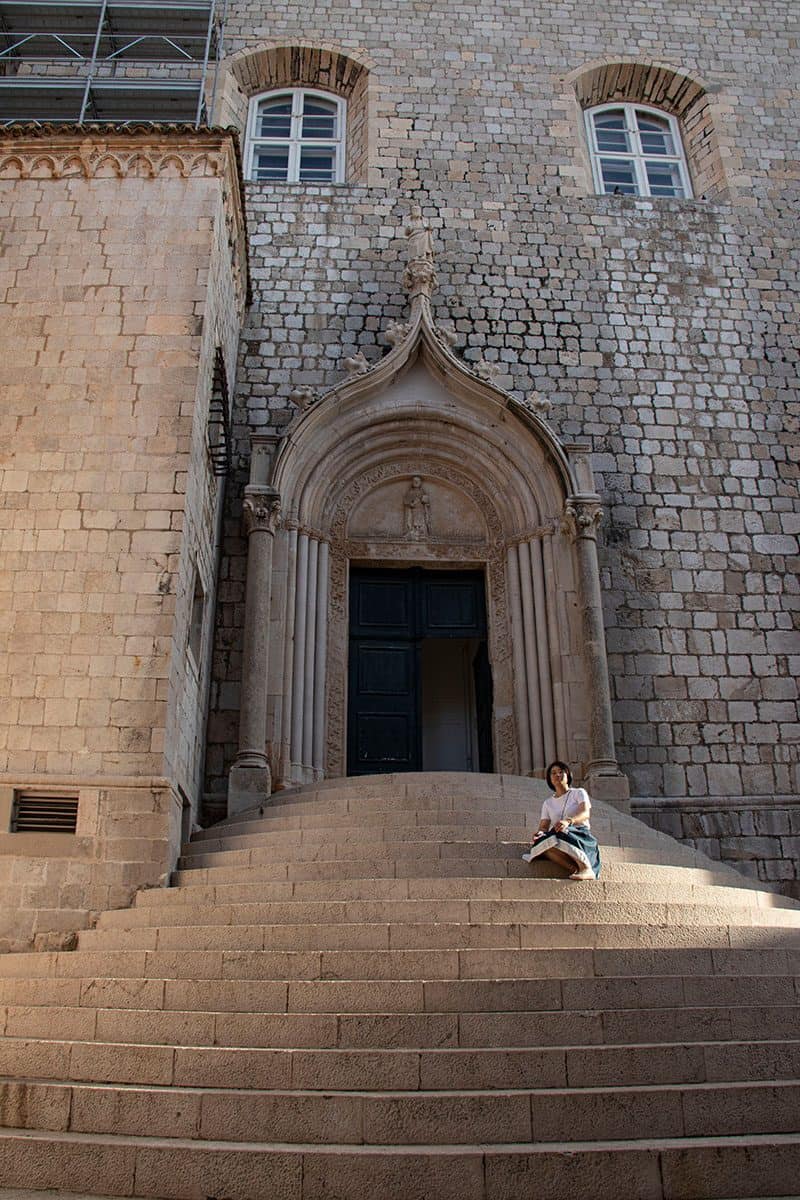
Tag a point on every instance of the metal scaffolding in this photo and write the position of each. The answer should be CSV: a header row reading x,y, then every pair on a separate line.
x,y
71,61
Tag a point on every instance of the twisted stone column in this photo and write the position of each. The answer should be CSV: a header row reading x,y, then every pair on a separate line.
x,y
250,779
582,515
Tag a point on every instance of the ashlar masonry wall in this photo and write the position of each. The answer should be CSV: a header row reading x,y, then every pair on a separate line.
x,y
123,272
665,331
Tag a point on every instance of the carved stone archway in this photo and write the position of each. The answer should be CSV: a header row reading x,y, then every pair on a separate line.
x,y
518,506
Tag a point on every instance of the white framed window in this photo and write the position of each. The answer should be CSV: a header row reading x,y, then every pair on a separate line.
x,y
636,151
296,136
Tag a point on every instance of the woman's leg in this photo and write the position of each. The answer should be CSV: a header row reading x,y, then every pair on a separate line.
x,y
562,859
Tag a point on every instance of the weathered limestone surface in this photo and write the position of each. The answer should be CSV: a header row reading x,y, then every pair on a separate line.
x,y
664,331
122,274
361,989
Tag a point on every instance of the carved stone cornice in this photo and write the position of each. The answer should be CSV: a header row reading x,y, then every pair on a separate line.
x,y
100,153
582,516
261,510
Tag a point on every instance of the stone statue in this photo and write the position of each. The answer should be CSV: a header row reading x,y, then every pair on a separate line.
x,y
420,238
416,511
420,274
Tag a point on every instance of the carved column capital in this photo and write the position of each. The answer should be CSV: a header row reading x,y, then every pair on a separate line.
x,y
261,510
581,518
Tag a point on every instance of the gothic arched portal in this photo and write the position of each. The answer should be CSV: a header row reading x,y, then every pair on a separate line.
x,y
420,462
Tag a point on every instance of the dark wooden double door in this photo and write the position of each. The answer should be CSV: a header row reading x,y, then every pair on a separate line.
x,y
392,616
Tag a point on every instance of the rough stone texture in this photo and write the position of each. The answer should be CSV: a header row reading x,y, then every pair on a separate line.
x,y
119,280
462,1074
759,838
53,884
665,331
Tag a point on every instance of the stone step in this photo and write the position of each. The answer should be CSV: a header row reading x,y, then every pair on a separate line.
x,y
418,912
561,935
183,1169
384,1117
664,885
419,787
366,975
401,964
426,852
310,817
338,1017
643,929
360,832
621,864
198,994
49,1194
319,1069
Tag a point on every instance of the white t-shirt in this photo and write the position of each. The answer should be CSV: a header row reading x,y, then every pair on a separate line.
x,y
573,801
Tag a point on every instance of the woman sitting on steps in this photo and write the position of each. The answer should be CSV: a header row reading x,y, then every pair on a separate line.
x,y
563,835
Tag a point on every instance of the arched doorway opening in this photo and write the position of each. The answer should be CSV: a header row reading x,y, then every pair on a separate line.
x,y
419,674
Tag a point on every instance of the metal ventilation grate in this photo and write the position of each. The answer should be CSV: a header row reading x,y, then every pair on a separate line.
x,y
44,814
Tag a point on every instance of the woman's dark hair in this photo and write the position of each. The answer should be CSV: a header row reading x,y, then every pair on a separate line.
x,y
564,767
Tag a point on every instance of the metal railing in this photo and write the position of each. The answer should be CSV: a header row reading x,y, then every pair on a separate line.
x,y
93,41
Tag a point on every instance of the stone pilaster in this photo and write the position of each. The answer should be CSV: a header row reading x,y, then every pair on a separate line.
x,y
250,778
582,516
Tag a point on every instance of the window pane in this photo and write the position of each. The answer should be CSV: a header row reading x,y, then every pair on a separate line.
x,y
275,118
612,137
618,176
319,118
317,165
271,163
664,179
655,135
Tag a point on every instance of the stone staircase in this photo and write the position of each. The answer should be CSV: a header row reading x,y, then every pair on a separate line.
x,y
360,990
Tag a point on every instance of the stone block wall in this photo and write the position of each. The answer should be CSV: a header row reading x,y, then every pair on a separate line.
x,y
123,272
760,838
665,331
52,884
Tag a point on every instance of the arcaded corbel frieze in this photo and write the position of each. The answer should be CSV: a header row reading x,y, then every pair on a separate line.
x,y
581,517
56,153
261,509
